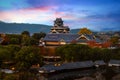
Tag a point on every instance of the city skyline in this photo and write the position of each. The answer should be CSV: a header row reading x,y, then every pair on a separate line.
x,y
93,14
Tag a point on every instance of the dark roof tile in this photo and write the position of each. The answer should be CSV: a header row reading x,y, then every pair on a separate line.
x,y
68,37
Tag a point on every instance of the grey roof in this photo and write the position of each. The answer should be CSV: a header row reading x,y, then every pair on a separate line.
x,y
92,37
114,62
67,37
57,37
100,62
82,40
89,36
72,65
63,27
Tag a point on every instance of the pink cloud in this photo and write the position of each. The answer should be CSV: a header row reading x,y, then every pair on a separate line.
x,y
40,15
65,15
29,15
42,9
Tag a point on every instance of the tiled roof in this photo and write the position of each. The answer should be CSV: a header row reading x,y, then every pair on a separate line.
x,y
99,62
68,37
91,37
59,27
64,66
114,62
57,37
82,40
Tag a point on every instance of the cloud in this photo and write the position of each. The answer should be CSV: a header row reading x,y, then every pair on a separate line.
x,y
35,15
40,15
76,14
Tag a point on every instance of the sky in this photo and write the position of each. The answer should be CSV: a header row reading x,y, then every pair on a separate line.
x,y
93,14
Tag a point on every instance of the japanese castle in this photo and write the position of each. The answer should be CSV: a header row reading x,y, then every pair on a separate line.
x,y
60,35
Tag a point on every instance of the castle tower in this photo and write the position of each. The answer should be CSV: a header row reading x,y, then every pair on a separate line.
x,y
59,27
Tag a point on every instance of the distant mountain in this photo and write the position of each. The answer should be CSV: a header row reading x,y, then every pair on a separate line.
x,y
110,29
2,22
75,31
20,27
17,28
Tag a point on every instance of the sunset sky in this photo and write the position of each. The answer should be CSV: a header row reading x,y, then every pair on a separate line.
x,y
93,14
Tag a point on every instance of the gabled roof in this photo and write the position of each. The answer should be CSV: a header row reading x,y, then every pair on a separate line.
x,y
67,37
88,37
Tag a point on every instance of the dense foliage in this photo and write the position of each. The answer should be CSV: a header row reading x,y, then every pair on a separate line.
x,y
78,52
114,40
24,39
27,57
22,58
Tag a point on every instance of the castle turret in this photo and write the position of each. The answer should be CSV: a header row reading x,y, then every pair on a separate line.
x,y
59,27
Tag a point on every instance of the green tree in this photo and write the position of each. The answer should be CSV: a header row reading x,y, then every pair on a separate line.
x,y
33,41
73,52
25,33
115,54
38,36
14,41
7,54
27,57
96,54
114,40
26,40
106,54
78,52
14,38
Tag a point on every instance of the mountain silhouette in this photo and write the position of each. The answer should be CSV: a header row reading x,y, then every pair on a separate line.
x,y
17,28
20,27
